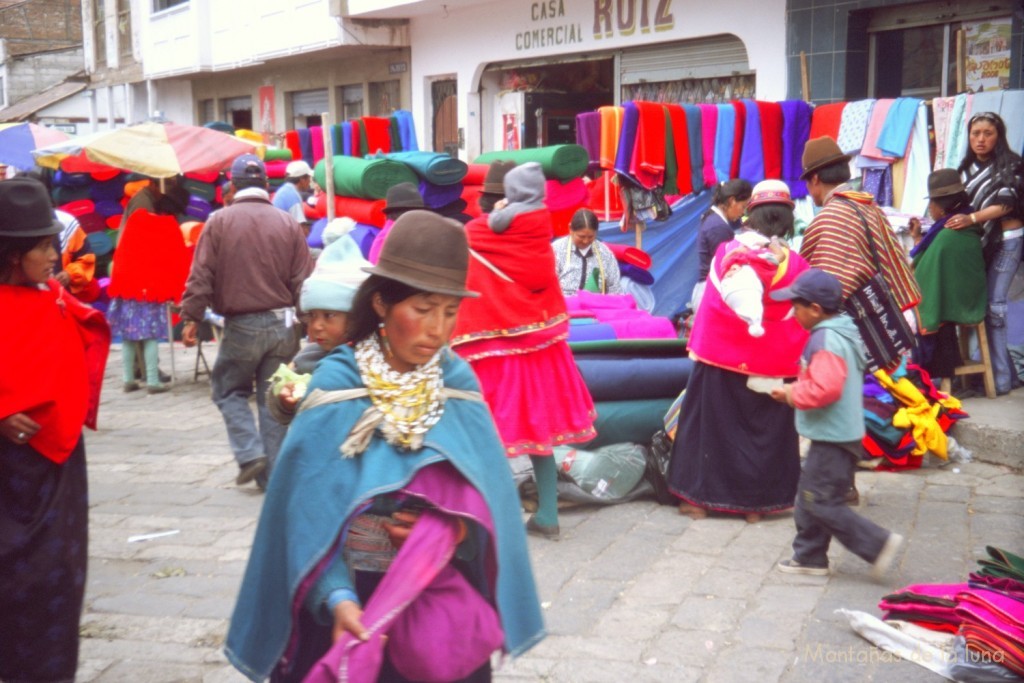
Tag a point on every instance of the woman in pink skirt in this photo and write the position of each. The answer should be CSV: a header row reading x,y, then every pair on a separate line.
x,y
514,334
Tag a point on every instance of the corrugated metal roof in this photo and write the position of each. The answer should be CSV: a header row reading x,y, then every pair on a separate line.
x,y
24,109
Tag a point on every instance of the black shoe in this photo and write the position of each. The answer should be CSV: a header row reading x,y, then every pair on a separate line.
x,y
261,480
130,387
162,376
158,388
549,532
251,470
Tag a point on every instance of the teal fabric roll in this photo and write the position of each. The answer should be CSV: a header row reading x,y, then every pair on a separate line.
x,y
365,178
628,421
434,167
561,162
207,191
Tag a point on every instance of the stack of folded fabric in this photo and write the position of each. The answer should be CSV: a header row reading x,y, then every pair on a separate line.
x,y
906,416
202,194
595,317
440,179
930,606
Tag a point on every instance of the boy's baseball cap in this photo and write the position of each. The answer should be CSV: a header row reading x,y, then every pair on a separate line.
x,y
815,286
248,166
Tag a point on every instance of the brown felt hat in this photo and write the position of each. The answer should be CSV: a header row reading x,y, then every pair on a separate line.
x,y
426,251
944,183
819,153
402,197
494,181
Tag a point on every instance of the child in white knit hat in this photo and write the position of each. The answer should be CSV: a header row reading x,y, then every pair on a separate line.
x,y
325,300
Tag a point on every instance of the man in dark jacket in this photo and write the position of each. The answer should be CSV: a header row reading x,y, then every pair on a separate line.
x,y
250,263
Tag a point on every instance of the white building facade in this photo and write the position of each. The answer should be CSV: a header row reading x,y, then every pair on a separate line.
x,y
524,68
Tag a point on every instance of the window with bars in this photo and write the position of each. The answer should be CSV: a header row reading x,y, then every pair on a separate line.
x,y
351,98
385,97
124,28
99,34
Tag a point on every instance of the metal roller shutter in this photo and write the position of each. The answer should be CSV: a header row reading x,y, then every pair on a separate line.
x,y
714,56
309,102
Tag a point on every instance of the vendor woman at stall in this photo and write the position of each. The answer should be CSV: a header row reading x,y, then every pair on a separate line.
x,y
582,262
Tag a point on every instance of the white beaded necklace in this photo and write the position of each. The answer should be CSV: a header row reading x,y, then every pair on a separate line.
x,y
410,402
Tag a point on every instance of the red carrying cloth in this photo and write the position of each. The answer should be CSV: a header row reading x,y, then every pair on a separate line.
x,y
825,120
151,263
771,138
650,145
471,195
531,302
378,134
681,142
55,364
291,141
628,254
368,211
737,145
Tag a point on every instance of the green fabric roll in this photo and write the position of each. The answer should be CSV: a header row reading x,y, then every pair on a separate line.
x,y
561,162
365,178
277,154
207,191
951,275
628,421
434,167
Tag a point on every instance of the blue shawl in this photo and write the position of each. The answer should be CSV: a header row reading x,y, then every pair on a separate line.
x,y
724,140
313,491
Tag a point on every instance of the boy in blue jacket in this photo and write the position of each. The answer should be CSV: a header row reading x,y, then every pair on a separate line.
x,y
829,411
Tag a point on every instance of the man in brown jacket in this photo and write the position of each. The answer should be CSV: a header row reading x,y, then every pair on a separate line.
x,y
249,266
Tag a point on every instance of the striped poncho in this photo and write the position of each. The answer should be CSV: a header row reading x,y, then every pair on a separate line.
x,y
836,242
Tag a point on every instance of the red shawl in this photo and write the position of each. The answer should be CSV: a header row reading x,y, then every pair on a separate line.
x,y
826,119
532,302
649,152
152,262
291,141
56,363
771,138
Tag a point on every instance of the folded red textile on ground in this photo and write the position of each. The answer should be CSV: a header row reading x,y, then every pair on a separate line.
x,y
628,254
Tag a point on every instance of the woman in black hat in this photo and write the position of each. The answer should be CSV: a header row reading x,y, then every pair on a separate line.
x,y
49,388
391,482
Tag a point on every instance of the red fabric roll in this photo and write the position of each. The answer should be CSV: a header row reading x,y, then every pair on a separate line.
x,y
628,254
291,141
825,120
368,211
209,177
378,134
79,207
681,142
101,175
771,138
476,174
151,262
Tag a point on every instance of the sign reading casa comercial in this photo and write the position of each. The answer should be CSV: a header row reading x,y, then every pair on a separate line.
x,y
552,26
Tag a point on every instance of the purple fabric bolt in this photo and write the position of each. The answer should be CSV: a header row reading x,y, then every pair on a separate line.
x,y
796,129
752,157
627,139
436,196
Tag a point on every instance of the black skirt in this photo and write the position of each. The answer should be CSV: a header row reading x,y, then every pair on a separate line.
x,y
736,450
44,514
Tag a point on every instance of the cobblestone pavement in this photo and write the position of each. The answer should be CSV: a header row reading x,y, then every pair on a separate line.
x,y
633,592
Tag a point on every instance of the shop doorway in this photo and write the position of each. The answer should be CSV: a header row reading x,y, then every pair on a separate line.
x,y
446,116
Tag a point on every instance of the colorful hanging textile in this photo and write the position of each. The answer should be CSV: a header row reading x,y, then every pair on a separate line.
x,y
316,136
870,155
771,138
752,156
737,148
693,127
708,131
826,120
942,111
611,126
895,133
681,141
724,141
588,136
796,130
854,126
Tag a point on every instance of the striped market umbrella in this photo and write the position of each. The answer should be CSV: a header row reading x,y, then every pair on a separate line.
x,y
17,140
157,150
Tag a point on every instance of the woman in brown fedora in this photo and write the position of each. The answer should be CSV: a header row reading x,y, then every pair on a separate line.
x,y
49,388
950,271
390,546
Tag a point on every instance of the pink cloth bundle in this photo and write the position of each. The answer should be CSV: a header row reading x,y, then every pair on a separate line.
x,y
316,134
878,114
560,196
276,169
584,300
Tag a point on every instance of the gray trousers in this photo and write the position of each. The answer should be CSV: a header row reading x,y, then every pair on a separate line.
x,y
821,509
253,347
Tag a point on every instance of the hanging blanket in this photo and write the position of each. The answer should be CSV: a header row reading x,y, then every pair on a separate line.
x,y
724,141
291,141
406,130
436,168
826,120
648,164
898,124
752,157
378,134
771,138
627,138
683,172
365,178
306,145
693,129
708,129
561,162
588,136
854,126
346,139
879,113
316,135
740,126
611,125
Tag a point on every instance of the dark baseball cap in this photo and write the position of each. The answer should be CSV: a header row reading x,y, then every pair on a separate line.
x,y
815,286
248,166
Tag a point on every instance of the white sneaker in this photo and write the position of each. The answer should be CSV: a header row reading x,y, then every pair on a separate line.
x,y
886,557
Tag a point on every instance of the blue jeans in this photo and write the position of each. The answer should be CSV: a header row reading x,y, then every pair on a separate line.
x,y
253,347
1000,275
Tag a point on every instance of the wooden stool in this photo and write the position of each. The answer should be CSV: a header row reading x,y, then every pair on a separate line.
x,y
984,368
